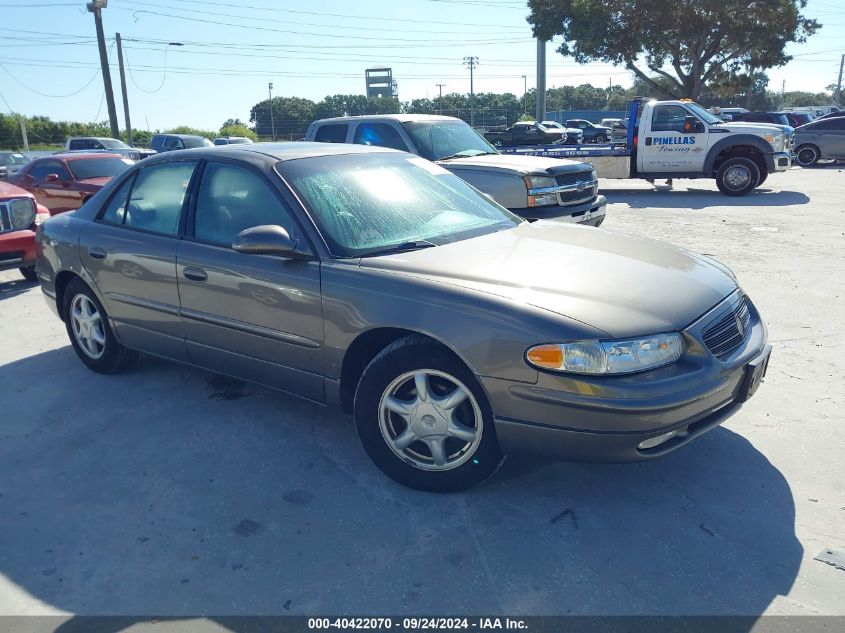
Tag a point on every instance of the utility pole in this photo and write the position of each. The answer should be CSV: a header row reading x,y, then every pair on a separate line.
x,y
838,96
123,88
525,94
23,133
471,63
96,7
440,87
541,80
782,91
272,124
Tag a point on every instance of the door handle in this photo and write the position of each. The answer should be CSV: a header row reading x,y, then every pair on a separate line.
x,y
195,274
97,253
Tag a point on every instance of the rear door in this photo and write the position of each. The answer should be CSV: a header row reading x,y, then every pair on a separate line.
x,y
831,135
255,316
130,253
665,147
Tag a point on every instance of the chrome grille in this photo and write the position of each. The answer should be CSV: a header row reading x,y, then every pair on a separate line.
x,y
725,335
575,178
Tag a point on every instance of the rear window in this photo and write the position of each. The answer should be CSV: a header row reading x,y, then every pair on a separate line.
x,y
380,134
106,167
335,133
197,142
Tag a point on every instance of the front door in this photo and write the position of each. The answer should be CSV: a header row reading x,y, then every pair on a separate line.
x,y
255,316
667,147
53,186
130,253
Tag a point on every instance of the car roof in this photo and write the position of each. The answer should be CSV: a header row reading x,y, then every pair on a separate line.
x,y
277,151
181,135
71,156
402,118
96,138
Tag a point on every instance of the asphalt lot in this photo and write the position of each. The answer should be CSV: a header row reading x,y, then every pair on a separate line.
x,y
167,490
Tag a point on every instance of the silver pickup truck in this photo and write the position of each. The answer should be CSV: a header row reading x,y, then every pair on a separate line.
x,y
530,186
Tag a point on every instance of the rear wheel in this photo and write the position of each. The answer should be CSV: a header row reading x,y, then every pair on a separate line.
x,y
424,419
807,155
737,176
90,332
601,138
29,273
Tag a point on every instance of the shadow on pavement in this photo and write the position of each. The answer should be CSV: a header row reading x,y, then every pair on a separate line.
x,y
9,289
150,493
690,198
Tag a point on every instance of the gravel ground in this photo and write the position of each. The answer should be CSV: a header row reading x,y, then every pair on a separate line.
x,y
167,490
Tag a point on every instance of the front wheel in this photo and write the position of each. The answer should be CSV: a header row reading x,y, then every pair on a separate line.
x,y
424,419
737,176
497,143
29,273
763,175
601,138
90,332
807,155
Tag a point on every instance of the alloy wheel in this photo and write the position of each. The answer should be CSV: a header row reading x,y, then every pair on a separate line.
x,y
87,326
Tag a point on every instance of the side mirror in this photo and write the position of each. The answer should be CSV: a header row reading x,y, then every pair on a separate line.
x,y
692,125
52,178
268,239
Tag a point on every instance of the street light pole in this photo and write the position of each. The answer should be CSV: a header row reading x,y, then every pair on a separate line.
x,y
471,62
524,94
96,7
270,103
440,87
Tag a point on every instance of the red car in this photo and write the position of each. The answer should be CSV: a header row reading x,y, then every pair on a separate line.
x,y
62,182
19,215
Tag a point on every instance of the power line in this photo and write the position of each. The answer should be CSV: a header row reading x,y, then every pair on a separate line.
x,y
43,94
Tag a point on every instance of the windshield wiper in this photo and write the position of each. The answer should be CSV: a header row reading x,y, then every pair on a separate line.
x,y
413,245
462,154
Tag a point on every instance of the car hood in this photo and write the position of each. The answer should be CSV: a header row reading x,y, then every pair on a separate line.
x,y
761,129
622,285
522,165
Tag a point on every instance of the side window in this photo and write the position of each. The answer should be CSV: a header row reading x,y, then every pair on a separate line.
x,y
380,134
78,143
835,123
157,197
335,133
115,211
43,169
668,118
173,142
233,198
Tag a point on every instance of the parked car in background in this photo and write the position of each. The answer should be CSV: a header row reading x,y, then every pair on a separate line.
x,y
377,281
11,163
799,118
529,186
831,115
111,145
618,129
776,118
823,138
527,133
574,136
63,182
730,112
592,133
19,216
170,142
232,140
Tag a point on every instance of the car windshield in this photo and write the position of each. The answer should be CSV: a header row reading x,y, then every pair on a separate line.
x,y
436,140
363,203
703,114
196,141
13,159
112,143
105,167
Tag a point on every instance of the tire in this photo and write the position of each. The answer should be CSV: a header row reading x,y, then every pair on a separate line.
x,y
29,273
807,155
601,138
763,175
497,143
463,430
737,176
90,333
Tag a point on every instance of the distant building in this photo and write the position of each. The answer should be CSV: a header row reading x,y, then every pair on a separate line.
x,y
380,83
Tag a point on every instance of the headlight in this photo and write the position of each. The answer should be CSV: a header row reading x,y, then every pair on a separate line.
x,y
40,218
608,357
22,212
777,141
533,183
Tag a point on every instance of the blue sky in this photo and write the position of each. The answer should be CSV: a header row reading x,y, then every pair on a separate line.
x,y
231,50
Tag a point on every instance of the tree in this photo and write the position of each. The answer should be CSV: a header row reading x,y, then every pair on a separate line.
x,y
237,129
187,129
687,42
290,115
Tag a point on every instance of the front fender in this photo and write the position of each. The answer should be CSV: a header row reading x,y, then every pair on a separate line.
x,y
738,140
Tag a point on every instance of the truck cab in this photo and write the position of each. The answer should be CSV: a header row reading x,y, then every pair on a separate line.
x,y
530,186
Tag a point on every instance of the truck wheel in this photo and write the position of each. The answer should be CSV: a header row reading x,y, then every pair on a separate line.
x,y
90,332
497,143
763,175
737,176
601,138
424,419
29,273
807,155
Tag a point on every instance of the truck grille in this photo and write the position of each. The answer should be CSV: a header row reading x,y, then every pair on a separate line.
x,y
726,334
585,178
5,219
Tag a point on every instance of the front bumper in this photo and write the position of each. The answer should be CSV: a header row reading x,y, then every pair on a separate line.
x,y
591,213
17,249
779,161
607,419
